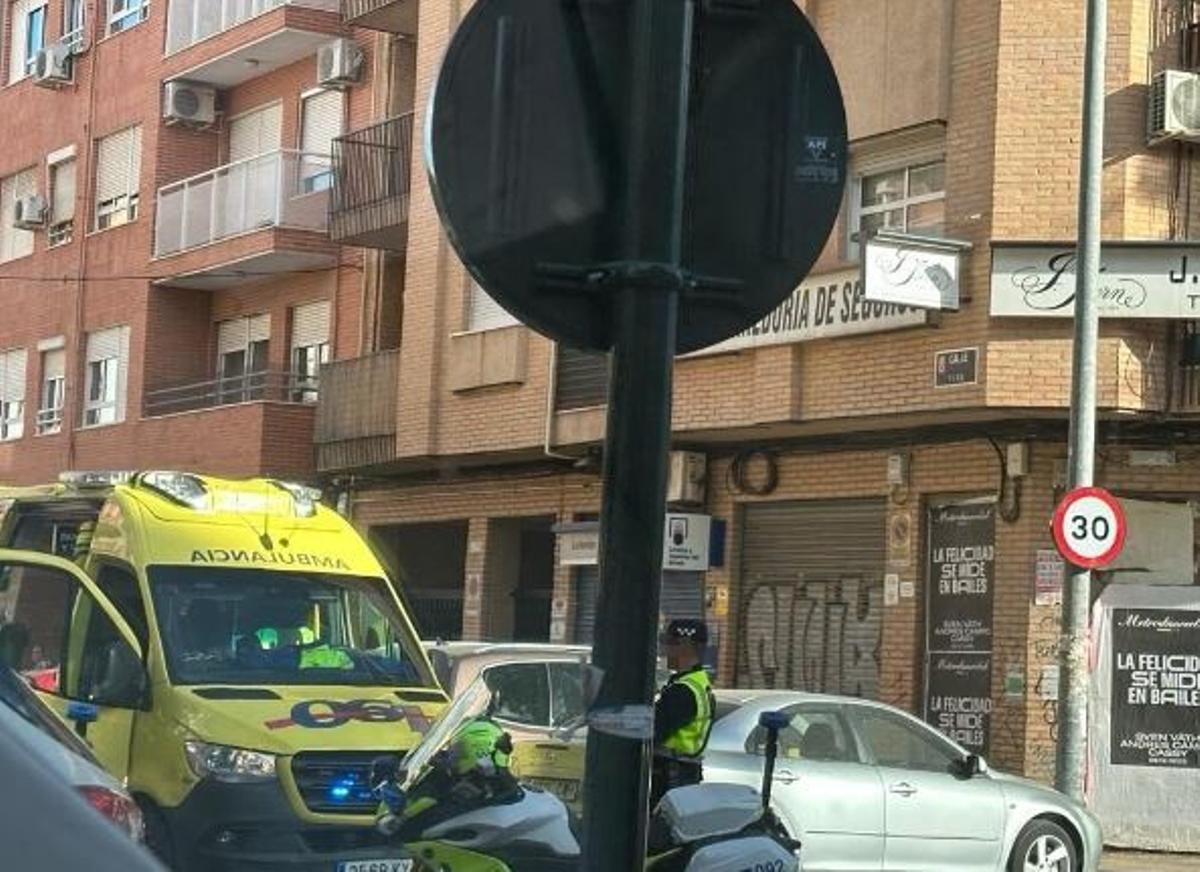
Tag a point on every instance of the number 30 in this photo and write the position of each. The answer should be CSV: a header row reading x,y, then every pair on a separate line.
x,y
1098,527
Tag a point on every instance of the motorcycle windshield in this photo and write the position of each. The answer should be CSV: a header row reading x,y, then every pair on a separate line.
x,y
469,705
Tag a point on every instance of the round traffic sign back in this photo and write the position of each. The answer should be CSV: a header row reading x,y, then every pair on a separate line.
x,y
525,146
1089,527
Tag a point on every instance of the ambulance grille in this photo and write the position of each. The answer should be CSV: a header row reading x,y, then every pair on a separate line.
x,y
337,782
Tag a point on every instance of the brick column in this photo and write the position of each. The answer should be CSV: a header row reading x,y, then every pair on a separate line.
x,y
473,578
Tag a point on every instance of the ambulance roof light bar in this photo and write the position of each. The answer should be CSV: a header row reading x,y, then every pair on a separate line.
x,y
96,478
180,487
305,498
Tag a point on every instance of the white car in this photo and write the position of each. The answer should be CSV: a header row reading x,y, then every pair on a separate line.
x,y
865,786
25,721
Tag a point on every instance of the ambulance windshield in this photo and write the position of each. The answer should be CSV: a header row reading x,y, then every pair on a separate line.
x,y
261,626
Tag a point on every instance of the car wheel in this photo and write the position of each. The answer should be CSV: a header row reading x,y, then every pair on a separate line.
x,y
1044,846
158,835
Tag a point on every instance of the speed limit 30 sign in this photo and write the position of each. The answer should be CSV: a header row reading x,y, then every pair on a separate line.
x,y
1089,527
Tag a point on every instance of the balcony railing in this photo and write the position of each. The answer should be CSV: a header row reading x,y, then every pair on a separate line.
x,y
371,184
276,189
392,16
190,21
277,387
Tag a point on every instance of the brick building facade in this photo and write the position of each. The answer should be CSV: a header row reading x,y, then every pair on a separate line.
x,y
467,445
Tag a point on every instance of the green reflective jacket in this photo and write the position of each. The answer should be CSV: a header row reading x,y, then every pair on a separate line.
x,y
690,740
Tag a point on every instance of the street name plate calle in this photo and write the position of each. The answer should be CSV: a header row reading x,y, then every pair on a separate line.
x,y
525,145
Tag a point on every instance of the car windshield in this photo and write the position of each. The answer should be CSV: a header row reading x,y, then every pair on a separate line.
x,y
255,626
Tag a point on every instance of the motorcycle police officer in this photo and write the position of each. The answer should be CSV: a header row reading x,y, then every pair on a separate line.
x,y
683,713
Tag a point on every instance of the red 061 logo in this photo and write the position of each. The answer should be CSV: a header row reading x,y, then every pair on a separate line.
x,y
1089,527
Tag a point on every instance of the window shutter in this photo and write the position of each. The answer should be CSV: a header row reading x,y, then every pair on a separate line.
x,y
62,190
256,132
118,164
231,335
13,242
13,373
54,365
104,344
259,329
321,123
18,24
310,324
122,369
236,334
484,313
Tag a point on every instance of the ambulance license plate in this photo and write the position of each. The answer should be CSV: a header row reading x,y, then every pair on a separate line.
x,y
376,866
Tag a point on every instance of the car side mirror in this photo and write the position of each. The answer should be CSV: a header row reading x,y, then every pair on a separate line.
x,y
973,765
123,683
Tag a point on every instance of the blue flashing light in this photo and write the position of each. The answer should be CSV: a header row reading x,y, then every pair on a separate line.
x,y
346,788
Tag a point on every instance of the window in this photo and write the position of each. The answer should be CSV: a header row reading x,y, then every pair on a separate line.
x,y
242,345
27,35
74,34
907,200
898,742
118,172
521,692
310,349
321,121
124,14
483,312
15,243
12,394
51,616
568,693
53,394
106,375
812,734
120,585
62,201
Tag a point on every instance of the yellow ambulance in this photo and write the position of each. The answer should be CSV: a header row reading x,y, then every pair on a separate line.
x,y
233,649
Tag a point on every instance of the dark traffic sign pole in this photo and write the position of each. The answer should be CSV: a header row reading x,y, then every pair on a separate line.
x,y
646,177
639,427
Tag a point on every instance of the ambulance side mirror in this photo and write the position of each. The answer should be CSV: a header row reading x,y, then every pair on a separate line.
x,y
123,681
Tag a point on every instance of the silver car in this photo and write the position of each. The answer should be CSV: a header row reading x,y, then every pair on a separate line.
x,y
865,786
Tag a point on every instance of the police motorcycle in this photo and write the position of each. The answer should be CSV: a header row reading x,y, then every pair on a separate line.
x,y
453,805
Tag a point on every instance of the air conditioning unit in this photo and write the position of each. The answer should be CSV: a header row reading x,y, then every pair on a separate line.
x,y
339,63
30,212
52,65
686,474
1174,108
189,103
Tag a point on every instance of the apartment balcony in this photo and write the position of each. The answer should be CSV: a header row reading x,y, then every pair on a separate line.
x,y
256,218
227,42
256,424
392,16
356,412
371,185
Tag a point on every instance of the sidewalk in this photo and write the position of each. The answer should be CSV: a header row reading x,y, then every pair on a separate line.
x,y
1135,861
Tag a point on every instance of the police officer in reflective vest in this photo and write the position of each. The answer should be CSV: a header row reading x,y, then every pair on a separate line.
x,y
683,714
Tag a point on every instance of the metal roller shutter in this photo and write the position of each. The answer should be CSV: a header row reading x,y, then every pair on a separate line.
x,y
310,324
237,334
581,379
682,595
483,312
256,132
810,598
118,164
587,592
12,375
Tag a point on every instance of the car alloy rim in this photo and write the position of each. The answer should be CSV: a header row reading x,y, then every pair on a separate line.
x,y
1048,854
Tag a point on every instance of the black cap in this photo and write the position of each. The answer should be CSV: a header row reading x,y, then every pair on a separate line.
x,y
688,630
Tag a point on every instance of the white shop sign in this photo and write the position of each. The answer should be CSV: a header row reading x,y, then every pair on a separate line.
x,y
823,306
1137,280
912,270
685,543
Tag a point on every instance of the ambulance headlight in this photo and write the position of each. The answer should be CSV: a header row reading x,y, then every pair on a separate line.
x,y
223,763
